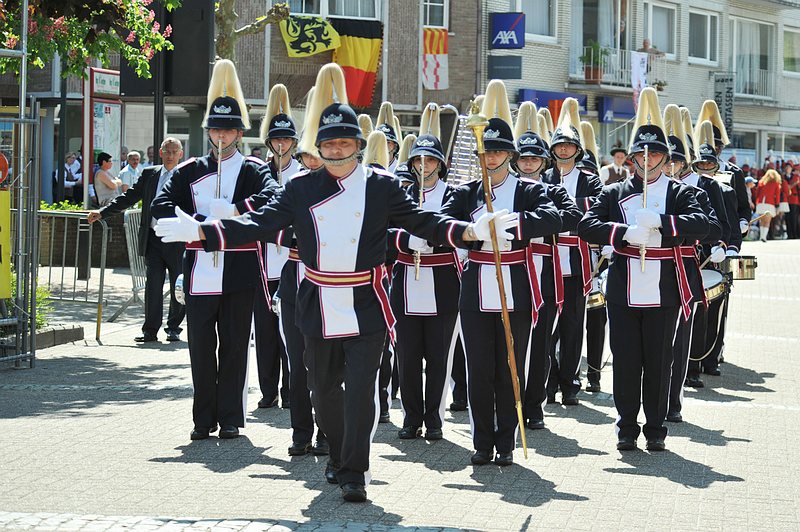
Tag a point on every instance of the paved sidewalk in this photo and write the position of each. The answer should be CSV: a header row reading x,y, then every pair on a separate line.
x,y
96,437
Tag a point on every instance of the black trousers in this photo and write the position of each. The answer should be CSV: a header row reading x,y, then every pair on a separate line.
x,y
219,336
689,344
270,351
595,342
716,342
641,341
539,363
349,414
386,378
491,396
566,367
793,221
300,414
428,338
458,374
161,258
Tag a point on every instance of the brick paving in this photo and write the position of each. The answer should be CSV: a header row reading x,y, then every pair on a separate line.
x,y
96,438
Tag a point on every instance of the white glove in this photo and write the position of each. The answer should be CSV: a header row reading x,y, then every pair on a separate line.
x,y
607,251
648,218
503,221
637,235
744,226
462,254
180,295
717,254
220,209
419,244
182,228
731,253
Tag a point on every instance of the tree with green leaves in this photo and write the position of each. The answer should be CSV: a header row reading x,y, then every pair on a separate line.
x,y
79,31
228,34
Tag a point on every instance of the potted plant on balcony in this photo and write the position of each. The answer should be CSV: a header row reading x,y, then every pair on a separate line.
x,y
660,85
593,60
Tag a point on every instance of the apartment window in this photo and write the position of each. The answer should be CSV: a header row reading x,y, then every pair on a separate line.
x,y
753,44
335,8
659,27
791,51
703,37
436,13
540,16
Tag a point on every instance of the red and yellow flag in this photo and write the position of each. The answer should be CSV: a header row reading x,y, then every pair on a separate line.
x,y
359,54
434,60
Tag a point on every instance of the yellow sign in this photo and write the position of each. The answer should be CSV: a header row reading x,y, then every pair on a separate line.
x,y
5,243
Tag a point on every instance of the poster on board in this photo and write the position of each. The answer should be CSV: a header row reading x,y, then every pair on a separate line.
x,y
107,130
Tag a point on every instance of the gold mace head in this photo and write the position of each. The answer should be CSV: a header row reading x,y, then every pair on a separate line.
x,y
476,121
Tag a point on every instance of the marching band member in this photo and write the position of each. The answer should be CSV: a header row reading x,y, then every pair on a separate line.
x,y
279,133
492,413
646,297
566,150
425,289
301,412
402,170
220,286
340,215
534,156
690,336
389,125
595,317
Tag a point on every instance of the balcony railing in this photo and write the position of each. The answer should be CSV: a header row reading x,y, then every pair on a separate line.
x,y
755,84
610,66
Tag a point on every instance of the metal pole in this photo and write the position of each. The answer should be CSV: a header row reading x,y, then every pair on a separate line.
x,y
62,137
158,98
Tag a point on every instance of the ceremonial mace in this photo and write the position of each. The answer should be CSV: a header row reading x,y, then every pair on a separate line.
x,y
643,247
477,123
217,193
279,166
418,253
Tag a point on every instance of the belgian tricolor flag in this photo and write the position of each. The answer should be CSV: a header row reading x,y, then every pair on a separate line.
x,y
359,55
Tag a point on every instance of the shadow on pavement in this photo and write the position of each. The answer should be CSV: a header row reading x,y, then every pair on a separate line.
x,y
547,443
219,456
582,413
702,435
672,467
737,378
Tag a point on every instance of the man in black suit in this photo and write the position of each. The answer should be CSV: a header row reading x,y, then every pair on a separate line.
x,y
159,257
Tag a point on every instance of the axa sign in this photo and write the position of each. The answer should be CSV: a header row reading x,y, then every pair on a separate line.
x,y
507,30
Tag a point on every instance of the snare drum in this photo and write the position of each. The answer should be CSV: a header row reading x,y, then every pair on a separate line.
x,y
713,284
597,297
741,268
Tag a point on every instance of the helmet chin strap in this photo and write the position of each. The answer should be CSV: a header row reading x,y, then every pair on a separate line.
x,y
655,171
227,150
340,162
503,167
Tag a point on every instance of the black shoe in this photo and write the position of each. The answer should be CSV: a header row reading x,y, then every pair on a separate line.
x,y
551,399
353,492
434,434
569,399
409,433
712,371
300,449
481,457
674,417
384,417
228,432
268,402
331,471
173,336
535,424
694,382
146,339
656,445
321,447
458,406
286,404
199,433
626,444
504,459
593,387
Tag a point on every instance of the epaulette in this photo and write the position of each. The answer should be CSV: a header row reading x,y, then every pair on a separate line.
x,y
254,159
188,161
301,173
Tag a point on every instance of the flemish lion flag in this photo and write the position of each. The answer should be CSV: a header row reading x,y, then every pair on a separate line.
x,y
306,36
359,55
434,62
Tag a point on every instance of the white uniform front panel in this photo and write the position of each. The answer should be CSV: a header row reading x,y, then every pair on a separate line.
x,y
278,255
570,182
206,279
338,221
420,294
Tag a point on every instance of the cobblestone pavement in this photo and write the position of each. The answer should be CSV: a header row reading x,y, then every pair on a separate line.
x,y
97,437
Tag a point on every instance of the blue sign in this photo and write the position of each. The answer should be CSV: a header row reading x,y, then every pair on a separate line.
x,y
610,108
542,98
507,30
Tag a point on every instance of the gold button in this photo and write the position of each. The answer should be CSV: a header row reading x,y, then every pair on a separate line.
x,y
320,218
352,240
656,204
358,214
324,244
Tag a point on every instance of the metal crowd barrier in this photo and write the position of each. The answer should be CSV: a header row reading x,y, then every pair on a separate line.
x,y
65,250
138,268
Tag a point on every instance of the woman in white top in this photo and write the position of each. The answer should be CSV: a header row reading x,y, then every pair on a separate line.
x,y
106,186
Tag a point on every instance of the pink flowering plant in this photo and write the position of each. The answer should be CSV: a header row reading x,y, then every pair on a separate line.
x,y
82,30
